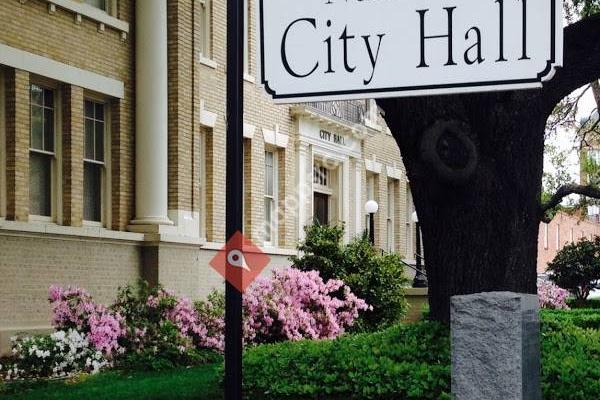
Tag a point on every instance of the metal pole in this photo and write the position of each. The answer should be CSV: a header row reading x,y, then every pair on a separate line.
x,y
234,188
372,229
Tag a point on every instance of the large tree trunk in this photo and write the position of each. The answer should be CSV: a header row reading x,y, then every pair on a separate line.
x,y
480,225
474,163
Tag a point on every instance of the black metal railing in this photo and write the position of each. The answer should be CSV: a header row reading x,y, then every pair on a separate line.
x,y
352,110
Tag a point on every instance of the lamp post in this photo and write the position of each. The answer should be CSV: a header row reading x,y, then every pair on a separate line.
x,y
371,208
420,280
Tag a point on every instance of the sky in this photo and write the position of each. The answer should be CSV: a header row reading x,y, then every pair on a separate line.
x,y
565,140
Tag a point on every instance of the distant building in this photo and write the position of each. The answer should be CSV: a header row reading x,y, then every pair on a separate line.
x,y
562,230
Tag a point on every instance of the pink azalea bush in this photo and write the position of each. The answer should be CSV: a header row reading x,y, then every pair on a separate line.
x,y
552,296
74,308
181,312
294,305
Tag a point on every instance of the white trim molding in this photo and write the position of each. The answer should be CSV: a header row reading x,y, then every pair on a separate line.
x,y
275,138
52,69
207,118
393,172
373,166
249,131
92,13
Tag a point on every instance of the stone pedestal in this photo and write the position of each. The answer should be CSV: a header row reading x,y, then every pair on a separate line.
x,y
495,347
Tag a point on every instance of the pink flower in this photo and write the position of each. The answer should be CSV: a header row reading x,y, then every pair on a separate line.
x,y
294,305
552,296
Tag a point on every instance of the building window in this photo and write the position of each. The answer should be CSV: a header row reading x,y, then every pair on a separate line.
x,y
101,4
206,28
411,235
247,35
546,236
93,162
41,151
572,237
270,197
320,176
2,149
391,208
370,193
202,183
323,195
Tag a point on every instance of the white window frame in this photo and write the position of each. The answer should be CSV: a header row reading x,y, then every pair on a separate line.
x,y
2,147
105,190
56,163
546,236
274,199
206,33
391,220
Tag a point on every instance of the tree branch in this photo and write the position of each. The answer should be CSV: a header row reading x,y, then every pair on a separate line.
x,y
564,191
596,91
581,61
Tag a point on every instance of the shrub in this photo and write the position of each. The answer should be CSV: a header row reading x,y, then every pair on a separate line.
x,y
582,318
413,362
292,305
378,279
322,250
588,303
402,362
60,354
163,330
570,357
551,296
576,267
74,308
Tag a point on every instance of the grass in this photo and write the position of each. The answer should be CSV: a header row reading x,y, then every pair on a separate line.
x,y
181,384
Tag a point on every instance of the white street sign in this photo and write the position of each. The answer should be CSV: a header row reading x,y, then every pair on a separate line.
x,y
343,49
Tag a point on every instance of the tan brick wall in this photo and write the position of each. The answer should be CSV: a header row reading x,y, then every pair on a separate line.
x,y
31,263
180,25
72,152
17,145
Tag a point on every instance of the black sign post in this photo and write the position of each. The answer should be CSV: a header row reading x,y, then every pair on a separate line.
x,y
235,112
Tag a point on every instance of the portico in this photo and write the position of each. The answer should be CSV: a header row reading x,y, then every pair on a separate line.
x,y
329,151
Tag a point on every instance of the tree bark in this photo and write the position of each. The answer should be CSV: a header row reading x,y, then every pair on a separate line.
x,y
480,224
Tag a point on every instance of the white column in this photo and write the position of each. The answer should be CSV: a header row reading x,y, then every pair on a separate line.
x,y
358,202
304,187
151,144
346,198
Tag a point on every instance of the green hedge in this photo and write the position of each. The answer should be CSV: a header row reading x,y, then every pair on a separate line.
x,y
589,303
402,362
413,362
586,318
570,356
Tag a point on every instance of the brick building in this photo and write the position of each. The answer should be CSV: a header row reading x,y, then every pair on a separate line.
x,y
112,154
562,230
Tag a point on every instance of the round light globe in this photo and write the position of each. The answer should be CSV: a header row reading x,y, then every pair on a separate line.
x,y
415,217
371,207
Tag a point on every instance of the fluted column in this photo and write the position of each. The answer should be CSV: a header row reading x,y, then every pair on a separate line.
x,y
151,144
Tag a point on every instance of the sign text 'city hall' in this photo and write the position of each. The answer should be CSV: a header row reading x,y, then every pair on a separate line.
x,y
342,49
